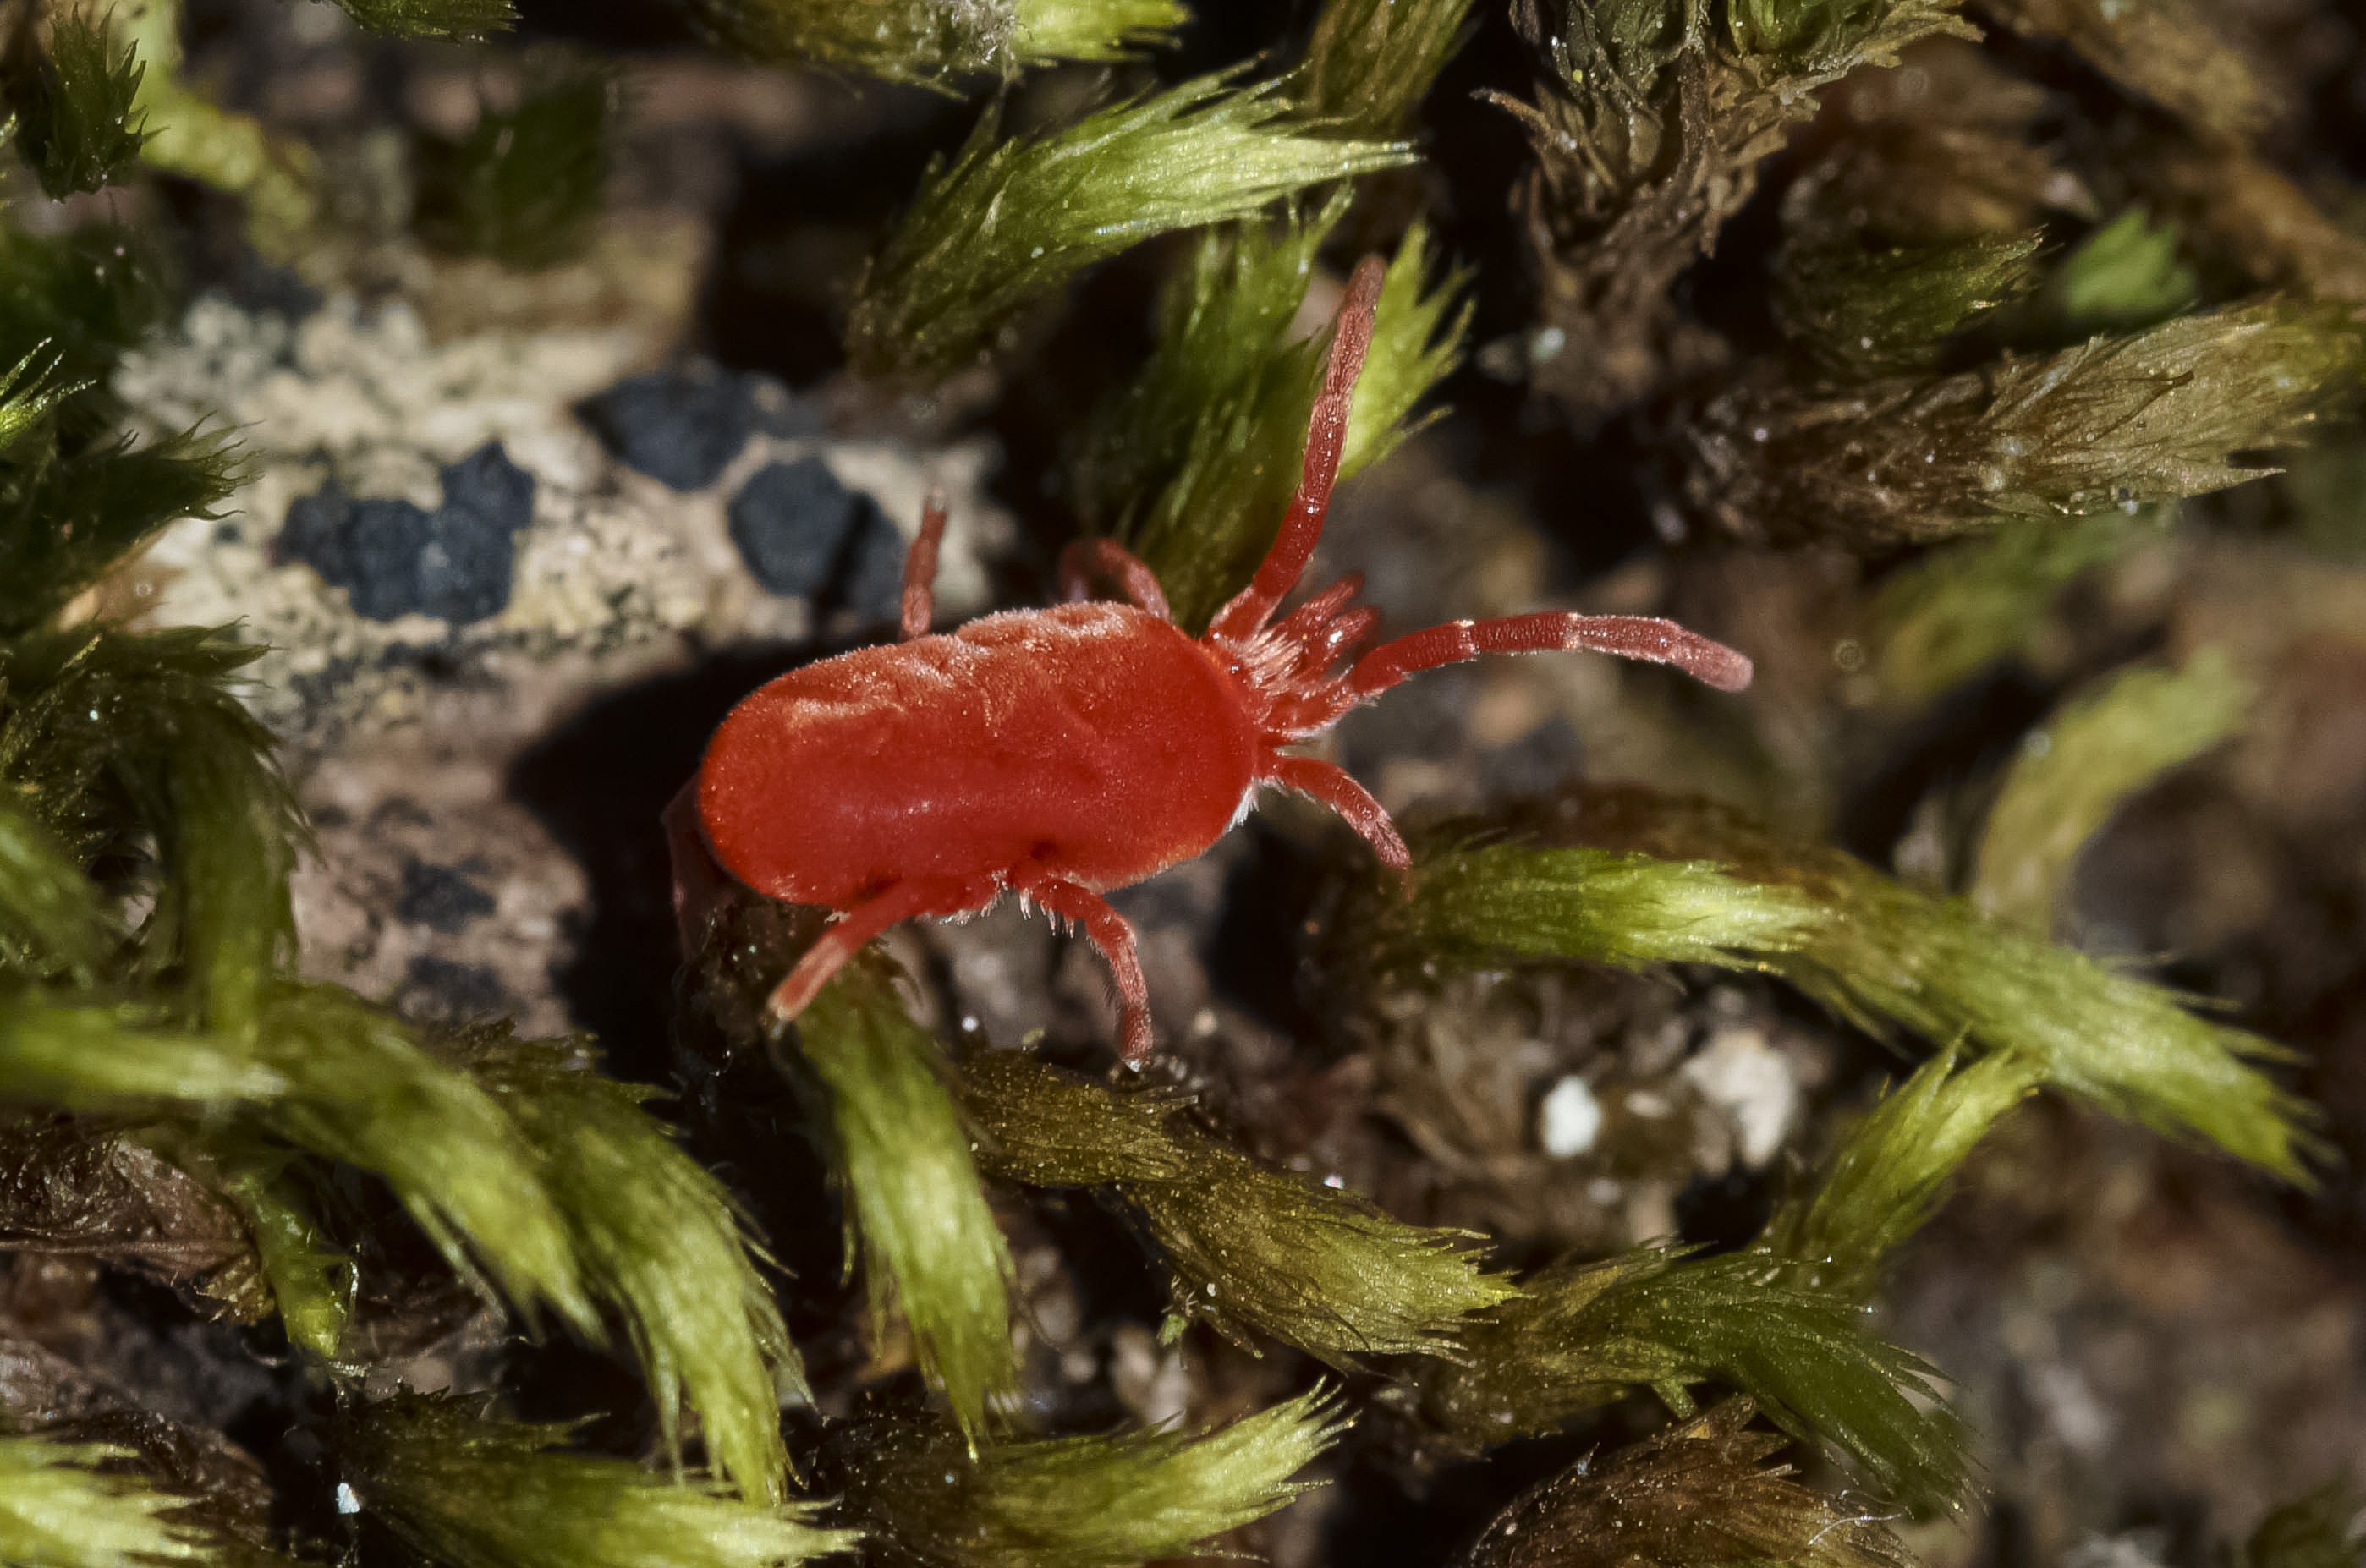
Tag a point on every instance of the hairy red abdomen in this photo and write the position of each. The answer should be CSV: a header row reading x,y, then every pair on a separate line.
x,y
1095,741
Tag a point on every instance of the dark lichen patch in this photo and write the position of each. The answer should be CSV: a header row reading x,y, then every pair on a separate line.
x,y
803,533
441,898
682,427
445,989
395,558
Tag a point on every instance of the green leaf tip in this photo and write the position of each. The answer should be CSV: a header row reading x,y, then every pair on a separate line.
x,y
1479,904
1892,1171
1969,604
2118,422
1008,220
1698,1496
1113,1501
68,512
934,44
2319,1530
1369,63
927,1242
1248,1249
468,1492
77,119
2074,771
456,19
1193,461
73,1505
524,186
2125,276
1886,955
1586,1333
659,1242
1862,313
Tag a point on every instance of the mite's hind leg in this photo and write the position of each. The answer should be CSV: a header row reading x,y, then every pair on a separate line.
x,y
699,884
1329,785
846,936
1108,931
1086,559
920,603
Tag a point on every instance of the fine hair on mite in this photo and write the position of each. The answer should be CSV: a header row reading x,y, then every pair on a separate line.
x,y
1058,754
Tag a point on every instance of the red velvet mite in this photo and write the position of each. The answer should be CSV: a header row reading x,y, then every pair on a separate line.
x,y
1057,754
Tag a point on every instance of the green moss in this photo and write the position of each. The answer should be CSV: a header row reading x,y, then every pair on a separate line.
x,y
937,45
2104,745
928,1243
1862,313
1193,463
1089,1502
661,1247
1369,63
1248,1249
2319,1530
466,1491
433,18
75,1505
2124,277
1587,1333
1891,1171
524,185
74,103
1698,1496
1010,219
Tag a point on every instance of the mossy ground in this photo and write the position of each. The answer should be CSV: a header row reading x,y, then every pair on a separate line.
x,y
2149,1344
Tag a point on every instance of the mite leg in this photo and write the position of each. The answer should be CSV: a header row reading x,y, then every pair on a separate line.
x,y
699,883
920,604
1630,636
858,926
1086,559
1328,785
1108,931
1326,433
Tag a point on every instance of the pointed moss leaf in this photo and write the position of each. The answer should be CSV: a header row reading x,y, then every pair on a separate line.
x,y
56,1050
73,302
1011,219
1192,464
464,1492
363,1090
524,186
1860,313
49,915
27,393
2102,747
1698,1496
75,115
66,518
1889,956
75,1506
433,18
1048,31
1891,1172
2124,277
1586,1332
1248,1249
146,728
2319,1530
312,1284
934,44
1089,1502
1369,63
1819,38
927,1242
660,1244
1475,905
1969,604
2175,410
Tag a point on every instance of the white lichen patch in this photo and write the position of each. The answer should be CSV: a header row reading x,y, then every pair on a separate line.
x,y
1741,1074
1568,1119
612,564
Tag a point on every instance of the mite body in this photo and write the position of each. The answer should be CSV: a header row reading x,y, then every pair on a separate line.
x,y
1058,754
